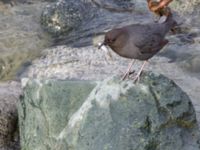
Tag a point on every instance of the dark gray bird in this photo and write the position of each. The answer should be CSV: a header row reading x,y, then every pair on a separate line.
x,y
139,41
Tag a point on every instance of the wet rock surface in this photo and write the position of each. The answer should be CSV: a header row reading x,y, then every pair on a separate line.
x,y
113,115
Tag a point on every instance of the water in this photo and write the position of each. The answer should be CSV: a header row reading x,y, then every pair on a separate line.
x,y
21,37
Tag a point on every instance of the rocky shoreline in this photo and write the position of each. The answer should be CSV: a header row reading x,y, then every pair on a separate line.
x,y
74,55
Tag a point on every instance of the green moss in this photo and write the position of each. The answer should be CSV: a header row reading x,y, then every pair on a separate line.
x,y
184,123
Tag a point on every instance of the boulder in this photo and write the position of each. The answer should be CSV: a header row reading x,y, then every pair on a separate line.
x,y
9,133
154,114
64,16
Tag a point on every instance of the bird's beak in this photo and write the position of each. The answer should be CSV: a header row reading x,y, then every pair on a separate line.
x,y
103,47
101,44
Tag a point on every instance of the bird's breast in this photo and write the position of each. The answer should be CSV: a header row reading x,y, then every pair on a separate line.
x,y
131,53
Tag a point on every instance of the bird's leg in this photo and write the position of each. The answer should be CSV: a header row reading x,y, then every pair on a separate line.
x,y
128,69
137,77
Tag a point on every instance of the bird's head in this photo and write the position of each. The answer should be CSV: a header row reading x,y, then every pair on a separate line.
x,y
111,37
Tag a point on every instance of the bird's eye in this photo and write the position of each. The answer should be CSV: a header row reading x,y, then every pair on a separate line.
x,y
113,40
110,40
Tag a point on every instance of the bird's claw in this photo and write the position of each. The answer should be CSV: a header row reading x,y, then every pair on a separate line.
x,y
127,75
136,79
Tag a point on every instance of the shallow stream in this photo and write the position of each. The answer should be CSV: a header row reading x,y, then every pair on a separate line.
x,y
21,37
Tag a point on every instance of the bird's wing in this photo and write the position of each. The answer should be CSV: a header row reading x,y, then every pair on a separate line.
x,y
147,39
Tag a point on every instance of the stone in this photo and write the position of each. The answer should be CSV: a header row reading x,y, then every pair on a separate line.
x,y
192,63
115,5
64,16
9,133
51,110
154,114
184,7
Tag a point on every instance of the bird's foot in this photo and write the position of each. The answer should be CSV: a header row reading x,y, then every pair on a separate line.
x,y
136,78
127,74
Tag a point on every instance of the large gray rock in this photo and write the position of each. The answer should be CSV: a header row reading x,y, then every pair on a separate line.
x,y
154,114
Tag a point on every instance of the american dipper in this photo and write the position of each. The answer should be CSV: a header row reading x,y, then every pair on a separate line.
x,y
139,41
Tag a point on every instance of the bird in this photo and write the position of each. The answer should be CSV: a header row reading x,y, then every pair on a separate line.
x,y
138,41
